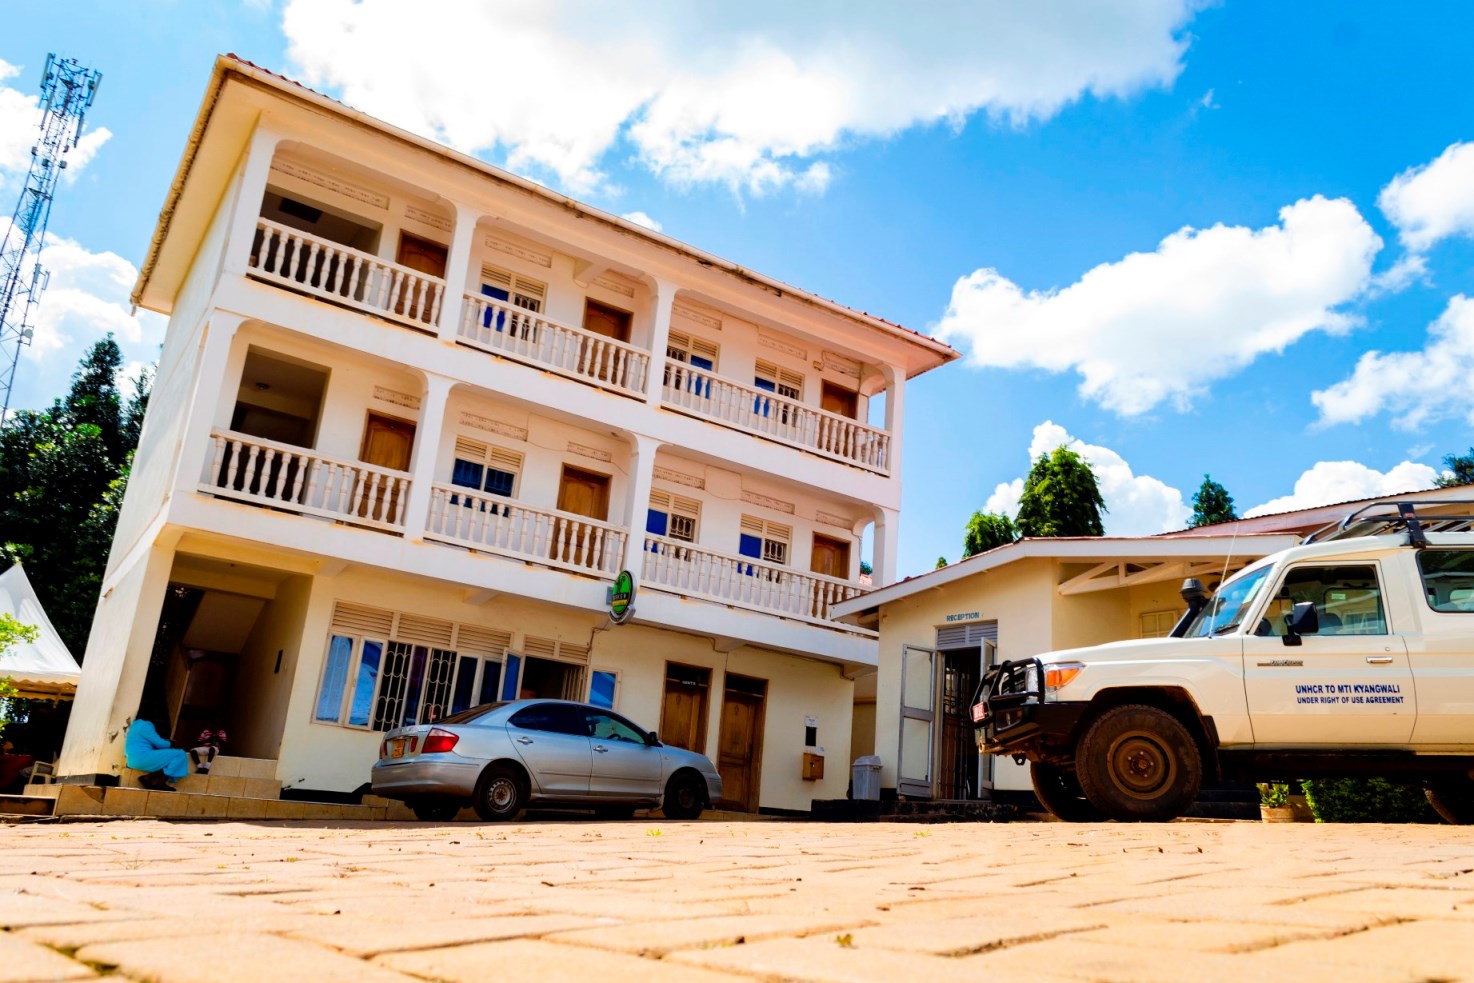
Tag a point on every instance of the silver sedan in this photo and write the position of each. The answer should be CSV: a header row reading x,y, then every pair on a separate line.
x,y
501,757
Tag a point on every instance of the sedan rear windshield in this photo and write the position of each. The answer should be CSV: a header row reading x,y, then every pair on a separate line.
x,y
470,715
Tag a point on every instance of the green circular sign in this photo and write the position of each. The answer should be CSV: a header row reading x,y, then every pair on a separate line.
x,y
622,597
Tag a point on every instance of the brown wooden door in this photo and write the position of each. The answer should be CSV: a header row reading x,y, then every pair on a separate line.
x,y
422,256
609,322
831,557
387,443
837,399
683,711
582,493
739,746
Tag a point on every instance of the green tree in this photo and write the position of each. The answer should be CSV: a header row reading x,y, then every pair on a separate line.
x,y
62,472
1211,504
1459,470
986,530
941,562
1061,497
11,631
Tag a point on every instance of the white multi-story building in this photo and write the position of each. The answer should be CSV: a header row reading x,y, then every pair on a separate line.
x,y
414,413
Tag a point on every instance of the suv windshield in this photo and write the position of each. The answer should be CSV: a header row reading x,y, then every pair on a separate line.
x,y
1228,607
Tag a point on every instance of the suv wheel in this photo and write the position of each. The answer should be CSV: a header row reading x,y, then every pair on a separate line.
x,y
1058,791
1453,801
1139,764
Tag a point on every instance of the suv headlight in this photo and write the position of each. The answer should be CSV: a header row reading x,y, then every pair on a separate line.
x,y
1059,675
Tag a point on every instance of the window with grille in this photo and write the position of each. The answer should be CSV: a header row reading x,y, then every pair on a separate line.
x,y
483,467
672,516
518,291
763,540
416,671
780,382
698,353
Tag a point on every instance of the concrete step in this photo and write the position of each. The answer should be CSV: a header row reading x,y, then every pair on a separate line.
x,y
96,800
254,778
26,805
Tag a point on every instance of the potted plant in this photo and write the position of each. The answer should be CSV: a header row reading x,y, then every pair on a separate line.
x,y
1274,803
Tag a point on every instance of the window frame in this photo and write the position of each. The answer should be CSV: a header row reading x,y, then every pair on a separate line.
x,y
1423,578
614,696
1267,613
768,534
422,689
490,459
672,507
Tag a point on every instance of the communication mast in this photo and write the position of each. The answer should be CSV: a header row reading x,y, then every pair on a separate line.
x,y
67,91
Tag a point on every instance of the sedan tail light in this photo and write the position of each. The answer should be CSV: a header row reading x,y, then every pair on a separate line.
x,y
439,740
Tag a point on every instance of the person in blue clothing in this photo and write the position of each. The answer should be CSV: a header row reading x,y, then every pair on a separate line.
x,y
147,751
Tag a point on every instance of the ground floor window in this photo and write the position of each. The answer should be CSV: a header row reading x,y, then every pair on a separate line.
x,y
604,688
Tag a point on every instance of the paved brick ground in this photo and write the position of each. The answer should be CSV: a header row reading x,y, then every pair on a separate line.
x,y
691,902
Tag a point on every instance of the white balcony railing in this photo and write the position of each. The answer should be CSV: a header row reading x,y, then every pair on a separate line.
x,y
344,276
506,329
499,525
280,476
743,582
711,397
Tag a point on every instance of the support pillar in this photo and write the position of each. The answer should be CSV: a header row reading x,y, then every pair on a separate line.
x,y
424,456
210,384
637,500
887,533
457,271
665,299
895,405
250,189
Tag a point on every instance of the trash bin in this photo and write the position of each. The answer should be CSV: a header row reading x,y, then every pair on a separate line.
x,y
865,778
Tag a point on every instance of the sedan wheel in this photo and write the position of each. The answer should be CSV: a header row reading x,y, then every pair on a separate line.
x,y
683,798
500,794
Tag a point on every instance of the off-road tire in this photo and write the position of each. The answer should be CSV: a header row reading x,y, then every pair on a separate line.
x,y
1139,764
1058,790
434,810
684,797
501,792
1453,800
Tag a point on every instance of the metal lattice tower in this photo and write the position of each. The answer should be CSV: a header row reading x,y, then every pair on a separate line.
x,y
67,90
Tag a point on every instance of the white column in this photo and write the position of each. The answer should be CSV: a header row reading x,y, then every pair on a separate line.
x,y
212,383
665,299
637,500
457,270
895,405
887,532
424,456
250,187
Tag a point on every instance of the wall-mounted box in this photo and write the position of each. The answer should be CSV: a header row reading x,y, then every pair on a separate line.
x,y
813,766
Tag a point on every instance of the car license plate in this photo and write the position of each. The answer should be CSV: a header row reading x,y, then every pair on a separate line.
x,y
979,712
396,748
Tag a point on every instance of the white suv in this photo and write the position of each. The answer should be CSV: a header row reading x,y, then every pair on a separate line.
x,y
1349,655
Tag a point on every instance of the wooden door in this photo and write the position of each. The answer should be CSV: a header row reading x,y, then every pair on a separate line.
x,y
683,710
604,361
422,256
831,557
582,493
387,443
739,745
837,399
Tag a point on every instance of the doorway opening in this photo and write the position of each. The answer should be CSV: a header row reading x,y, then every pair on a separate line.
x,y
279,399
683,711
959,774
740,743
549,679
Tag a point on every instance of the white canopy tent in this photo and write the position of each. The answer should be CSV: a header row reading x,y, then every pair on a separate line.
x,y
43,669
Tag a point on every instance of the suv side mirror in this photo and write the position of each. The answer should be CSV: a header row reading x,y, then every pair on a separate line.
x,y
1303,620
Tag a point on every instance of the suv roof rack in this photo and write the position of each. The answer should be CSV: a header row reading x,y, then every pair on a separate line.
x,y
1394,516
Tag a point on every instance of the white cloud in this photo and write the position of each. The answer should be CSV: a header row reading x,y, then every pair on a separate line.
x,y
748,95
1433,201
1400,275
20,114
640,218
1415,387
1139,505
87,297
1329,482
1161,326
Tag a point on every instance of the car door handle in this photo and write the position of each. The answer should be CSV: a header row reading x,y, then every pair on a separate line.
x,y
600,749
524,740
1379,660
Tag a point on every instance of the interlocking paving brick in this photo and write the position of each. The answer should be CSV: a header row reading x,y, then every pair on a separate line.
x,y
221,957
656,938
536,962
414,931
24,960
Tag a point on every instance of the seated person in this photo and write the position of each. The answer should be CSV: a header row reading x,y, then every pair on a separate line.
x,y
146,751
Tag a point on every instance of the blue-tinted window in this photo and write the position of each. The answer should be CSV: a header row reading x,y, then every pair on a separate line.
x,y
363,686
465,690
656,523
500,482
412,692
491,674
750,546
697,362
601,689
334,678
467,474
495,293
509,683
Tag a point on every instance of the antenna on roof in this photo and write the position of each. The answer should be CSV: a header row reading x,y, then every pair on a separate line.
x,y
67,91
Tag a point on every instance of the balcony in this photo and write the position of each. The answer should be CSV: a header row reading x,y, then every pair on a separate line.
x,y
344,276
743,582
294,479
570,542
525,336
710,397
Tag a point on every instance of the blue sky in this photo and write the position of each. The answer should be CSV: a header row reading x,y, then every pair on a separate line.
x,y
1170,232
